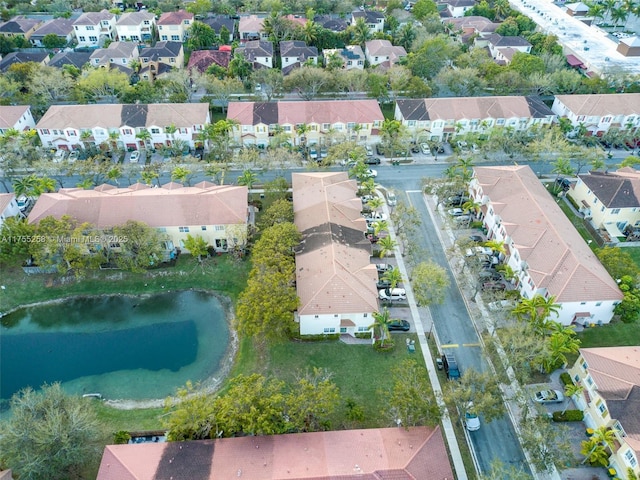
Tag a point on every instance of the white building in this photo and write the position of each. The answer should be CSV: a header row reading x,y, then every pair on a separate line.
x,y
16,117
93,28
136,26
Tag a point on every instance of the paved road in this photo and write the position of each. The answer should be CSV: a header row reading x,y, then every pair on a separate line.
x,y
455,330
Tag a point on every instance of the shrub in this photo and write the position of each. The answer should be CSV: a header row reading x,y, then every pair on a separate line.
x,y
317,338
366,335
388,346
121,437
565,378
568,416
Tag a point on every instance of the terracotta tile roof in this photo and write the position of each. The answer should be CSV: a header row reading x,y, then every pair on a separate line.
x,y
135,18
58,26
602,105
417,453
616,373
10,114
334,273
384,48
94,18
319,112
557,256
174,18
473,108
250,24
120,115
5,200
203,59
615,190
173,206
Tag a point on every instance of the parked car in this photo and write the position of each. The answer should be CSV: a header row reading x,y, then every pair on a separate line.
x,y
476,238
463,146
375,216
59,156
379,149
73,155
548,396
415,148
391,199
369,150
392,294
313,153
382,284
493,286
471,420
399,324
457,200
371,173
372,161
455,212
462,219
23,202
474,148
135,156
501,305
478,251
383,267
450,366
425,149
564,183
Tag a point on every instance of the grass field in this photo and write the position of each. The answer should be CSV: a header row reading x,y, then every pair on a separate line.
x,y
614,334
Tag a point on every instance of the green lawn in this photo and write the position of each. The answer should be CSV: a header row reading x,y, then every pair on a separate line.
x,y
388,110
223,274
634,252
361,373
129,420
612,335
578,223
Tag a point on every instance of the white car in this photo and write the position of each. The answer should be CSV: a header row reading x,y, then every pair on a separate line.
x,y
135,156
375,216
455,212
392,294
23,202
463,146
548,396
313,153
73,155
59,156
369,151
371,173
391,199
425,149
478,251
471,420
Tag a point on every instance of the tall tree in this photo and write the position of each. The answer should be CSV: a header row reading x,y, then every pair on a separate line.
x,y
201,36
380,325
430,283
411,401
50,435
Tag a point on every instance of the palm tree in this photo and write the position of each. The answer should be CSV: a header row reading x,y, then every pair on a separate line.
x,y
596,11
569,391
405,36
24,185
114,174
619,15
302,130
248,178
387,245
368,186
594,449
394,277
465,165
496,246
181,175
471,206
562,166
560,343
379,226
375,203
536,310
360,32
310,31
381,324
145,136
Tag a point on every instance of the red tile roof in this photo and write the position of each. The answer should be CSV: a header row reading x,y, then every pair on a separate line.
x,y
416,453
174,18
203,59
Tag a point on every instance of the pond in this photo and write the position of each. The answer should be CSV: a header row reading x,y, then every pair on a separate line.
x,y
123,347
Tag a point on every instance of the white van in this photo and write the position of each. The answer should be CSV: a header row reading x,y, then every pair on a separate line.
x,y
392,294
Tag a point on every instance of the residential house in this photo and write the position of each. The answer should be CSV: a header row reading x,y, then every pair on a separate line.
x,y
335,279
457,8
610,377
331,22
16,117
543,248
160,59
68,127
502,48
117,53
440,119
295,53
629,47
23,57
136,27
418,453
60,27
173,26
599,113
8,207
578,9
219,21
19,26
93,28
325,121
352,56
250,28
203,59
77,59
382,52
374,20
217,213
610,200
468,28
257,52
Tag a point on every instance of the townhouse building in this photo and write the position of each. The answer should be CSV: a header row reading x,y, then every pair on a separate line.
x,y
610,377
598,113
93,28
324,122
544,250
174,26
16,117
610,200
116,126
335,279
136,27
439,119
217,213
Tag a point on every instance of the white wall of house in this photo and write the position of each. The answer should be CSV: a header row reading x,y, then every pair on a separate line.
x,y
457,12
89,35
220,237
597,125
600,214
135,33
330,324
495,52
265,61
25,122
11,210
174,33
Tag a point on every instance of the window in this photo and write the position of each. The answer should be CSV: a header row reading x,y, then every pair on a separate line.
x,y
606,119
595,200
630,458
576,379
363,329
365,316
500,121
335,316
164,37
71,133
183,229
615,211
162,230
316,316
93,39
602,408
127,131
203,227
598,304
219,228
325,126
82,38
44,131
172,60
590,381
221,243
585,365
351,125
155,130
146,22
90,28
343,329
330,330
175,38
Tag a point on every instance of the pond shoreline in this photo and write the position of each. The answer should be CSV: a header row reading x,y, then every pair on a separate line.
x,y
209,385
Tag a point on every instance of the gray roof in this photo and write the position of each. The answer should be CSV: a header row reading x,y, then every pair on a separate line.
x,y
500,41
94,18
135,18
614,191
297,48
335,24
21,57
162,49
77,59
369,16
18,25
219,21
256,48
58,26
